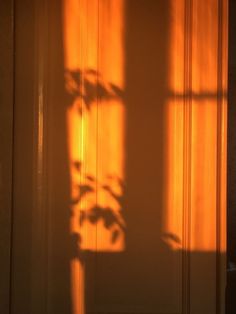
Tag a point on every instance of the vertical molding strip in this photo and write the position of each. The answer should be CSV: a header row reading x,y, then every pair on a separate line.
x,y
218,162
7,45
221,156
13,25
39,290
97,156
187,157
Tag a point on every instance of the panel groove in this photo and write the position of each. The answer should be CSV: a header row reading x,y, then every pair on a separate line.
x,y
218,164
97,151
40,218
221,154
187,157
13,145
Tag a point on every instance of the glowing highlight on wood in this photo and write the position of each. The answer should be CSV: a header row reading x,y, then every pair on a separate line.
x,y
194,138
94,80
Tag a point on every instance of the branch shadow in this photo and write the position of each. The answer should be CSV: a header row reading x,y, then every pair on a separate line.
x,y
145,274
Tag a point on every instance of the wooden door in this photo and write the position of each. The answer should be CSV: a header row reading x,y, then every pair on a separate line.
x,y
120,153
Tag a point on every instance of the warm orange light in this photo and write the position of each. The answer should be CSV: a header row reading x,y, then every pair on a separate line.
x,y
174,148
192,194
192,118
94,79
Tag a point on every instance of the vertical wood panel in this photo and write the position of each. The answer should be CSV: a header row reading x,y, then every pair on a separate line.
x,y
23,157
174,65
208,150
204,154
204,163
6,150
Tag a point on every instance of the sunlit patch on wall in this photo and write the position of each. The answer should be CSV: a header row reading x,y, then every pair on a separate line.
x,y
174,148
192,140
94,81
